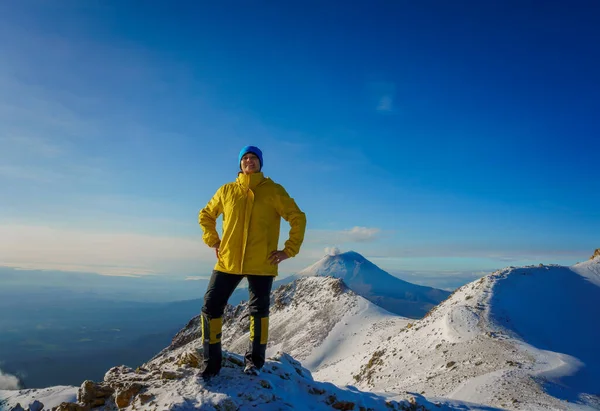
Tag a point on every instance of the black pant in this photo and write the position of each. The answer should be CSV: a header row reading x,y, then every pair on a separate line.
x,y
220,288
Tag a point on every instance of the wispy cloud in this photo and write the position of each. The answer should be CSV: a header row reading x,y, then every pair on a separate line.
x,y
124,254
9,382
360,234
30,173
446,280
382,95
355,234
498,253
42,146
197,277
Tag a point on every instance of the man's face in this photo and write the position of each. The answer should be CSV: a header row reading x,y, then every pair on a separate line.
x,y
250,163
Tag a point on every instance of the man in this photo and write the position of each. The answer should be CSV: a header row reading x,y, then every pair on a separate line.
x,y
252,209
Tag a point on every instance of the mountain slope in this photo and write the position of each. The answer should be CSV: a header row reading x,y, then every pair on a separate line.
x,y
371,282
520,338
316,320
173,383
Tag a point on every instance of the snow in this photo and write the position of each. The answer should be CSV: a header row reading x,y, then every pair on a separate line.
x,y
366,279
319,321
589,269
50,397
522,338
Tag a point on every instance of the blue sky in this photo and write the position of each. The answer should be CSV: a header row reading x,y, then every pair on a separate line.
x,y
436,138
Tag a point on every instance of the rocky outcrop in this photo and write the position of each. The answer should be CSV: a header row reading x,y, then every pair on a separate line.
x,y
94,395
596,254
36,406
123,396
71,406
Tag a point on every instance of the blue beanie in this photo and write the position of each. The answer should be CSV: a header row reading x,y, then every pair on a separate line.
x,y
253,150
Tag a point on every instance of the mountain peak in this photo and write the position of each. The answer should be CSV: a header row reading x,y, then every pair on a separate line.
x,y
376,285
596,254
349,255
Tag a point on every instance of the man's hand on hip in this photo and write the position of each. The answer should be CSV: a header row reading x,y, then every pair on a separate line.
x,y
277,256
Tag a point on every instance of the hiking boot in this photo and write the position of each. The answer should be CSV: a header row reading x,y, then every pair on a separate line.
x,y
251,370
208,375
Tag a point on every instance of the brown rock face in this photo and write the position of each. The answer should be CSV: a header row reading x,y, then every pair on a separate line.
x,y
93,394
190,358
596,254
71,406
170,375
123,397
145,398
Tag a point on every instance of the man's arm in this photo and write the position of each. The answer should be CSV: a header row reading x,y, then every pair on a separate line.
x,y
207,218
289,210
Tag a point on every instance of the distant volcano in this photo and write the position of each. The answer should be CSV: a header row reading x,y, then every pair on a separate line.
x,y
371,282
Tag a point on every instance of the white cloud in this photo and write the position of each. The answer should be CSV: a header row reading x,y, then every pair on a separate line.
x,y
360,234
383,94
355,234
9,382
108,253
386,103
42,146
30,173
332,251
196,278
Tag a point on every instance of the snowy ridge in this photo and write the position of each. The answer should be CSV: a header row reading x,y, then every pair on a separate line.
x,y
590,269
317,320
381,288
174,383
520,338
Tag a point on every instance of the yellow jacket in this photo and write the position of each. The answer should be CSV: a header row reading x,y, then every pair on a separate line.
x,y
252,208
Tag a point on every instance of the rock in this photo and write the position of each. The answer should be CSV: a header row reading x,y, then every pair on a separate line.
x,y
123,396
170,375
233,360
227,405
596,254
190,358
93,394
145,398
343,405
116,373
71,406
338,287
36,406
316,391
17,408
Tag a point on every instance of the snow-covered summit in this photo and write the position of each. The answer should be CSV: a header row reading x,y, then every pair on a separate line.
x,y
366,279
590,269
520,338
317,320
174,383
